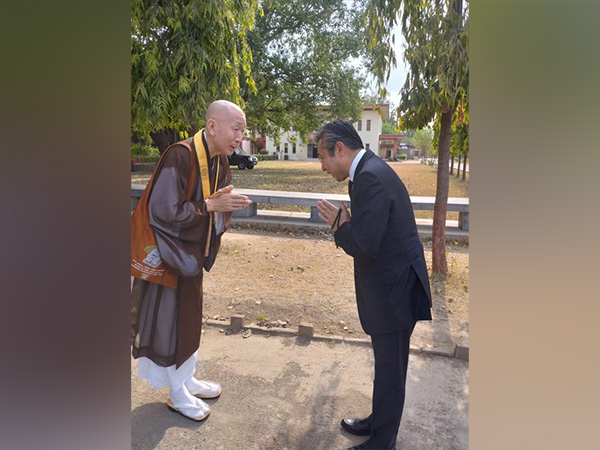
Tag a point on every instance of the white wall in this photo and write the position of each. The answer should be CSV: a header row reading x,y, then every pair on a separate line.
x,y
301,147
246,145
370,137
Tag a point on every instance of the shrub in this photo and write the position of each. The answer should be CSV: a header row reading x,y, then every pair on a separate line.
x,y
263,157
402,156
264,151
146,153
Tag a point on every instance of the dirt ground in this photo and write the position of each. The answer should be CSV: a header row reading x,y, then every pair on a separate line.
x,y
284,278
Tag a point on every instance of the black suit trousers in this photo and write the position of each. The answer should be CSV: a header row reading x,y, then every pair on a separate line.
x,y
391,352
391,364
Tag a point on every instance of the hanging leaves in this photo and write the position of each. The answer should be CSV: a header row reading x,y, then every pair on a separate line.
x,y
436,53
184,55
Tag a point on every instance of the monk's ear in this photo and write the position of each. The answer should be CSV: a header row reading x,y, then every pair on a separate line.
x,y
210,126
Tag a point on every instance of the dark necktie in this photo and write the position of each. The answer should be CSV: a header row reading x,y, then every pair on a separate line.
x,y
350,183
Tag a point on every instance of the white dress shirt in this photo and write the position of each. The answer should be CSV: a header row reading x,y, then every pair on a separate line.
x,y
357,159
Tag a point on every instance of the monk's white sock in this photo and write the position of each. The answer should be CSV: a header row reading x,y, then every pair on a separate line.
x,y
202,388
188,404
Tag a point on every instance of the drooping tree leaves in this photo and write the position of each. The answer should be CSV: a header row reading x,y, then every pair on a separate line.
x,y
184,55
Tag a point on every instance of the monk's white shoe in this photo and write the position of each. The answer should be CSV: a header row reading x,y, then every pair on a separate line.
x,y
203,389
190,407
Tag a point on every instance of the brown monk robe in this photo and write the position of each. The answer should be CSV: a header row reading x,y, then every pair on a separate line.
x,y
172,336
166,321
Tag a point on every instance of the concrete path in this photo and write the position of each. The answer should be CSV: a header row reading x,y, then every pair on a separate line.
x,y
283,393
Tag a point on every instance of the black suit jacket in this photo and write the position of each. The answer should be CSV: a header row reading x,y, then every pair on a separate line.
x,y
383,240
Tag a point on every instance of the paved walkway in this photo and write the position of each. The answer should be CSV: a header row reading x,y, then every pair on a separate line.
x,y
287,394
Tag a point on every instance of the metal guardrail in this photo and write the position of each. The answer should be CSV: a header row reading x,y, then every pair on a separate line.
x,y
456,204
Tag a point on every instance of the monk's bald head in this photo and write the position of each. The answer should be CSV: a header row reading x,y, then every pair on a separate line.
x,y
225,125
220,109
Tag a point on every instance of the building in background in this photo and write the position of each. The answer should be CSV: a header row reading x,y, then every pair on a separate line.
x,y
247,145
369,127
391,146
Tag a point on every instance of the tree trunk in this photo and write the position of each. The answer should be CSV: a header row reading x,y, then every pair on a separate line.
x,y
458,167
464,167
441,195
451,164
164,138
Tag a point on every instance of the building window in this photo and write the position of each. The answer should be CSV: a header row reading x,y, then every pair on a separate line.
x,y
369,125
359,125
367,146
293,148
285,148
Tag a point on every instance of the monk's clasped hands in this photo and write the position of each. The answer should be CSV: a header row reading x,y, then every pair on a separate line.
x,y
225,201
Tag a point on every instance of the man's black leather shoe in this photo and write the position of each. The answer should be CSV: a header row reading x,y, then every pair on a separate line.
x,y
360,427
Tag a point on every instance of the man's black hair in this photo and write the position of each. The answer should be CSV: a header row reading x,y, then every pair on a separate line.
x,y
339,131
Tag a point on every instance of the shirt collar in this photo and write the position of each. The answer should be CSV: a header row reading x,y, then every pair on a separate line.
x,y
357,159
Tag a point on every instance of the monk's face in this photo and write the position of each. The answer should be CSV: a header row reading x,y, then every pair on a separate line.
x,y
228,131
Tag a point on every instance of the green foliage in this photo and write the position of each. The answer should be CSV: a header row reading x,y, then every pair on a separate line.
x,y
266,157
376,98
459,140
408,135
423,140
401,156
300,60
387,127
145,152
459,144
436,33
263,151
184,55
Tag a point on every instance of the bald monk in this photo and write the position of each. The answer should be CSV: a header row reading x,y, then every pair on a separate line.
x,y
167,322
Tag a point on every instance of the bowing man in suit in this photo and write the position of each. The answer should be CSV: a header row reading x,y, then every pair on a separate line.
x,y
390,273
